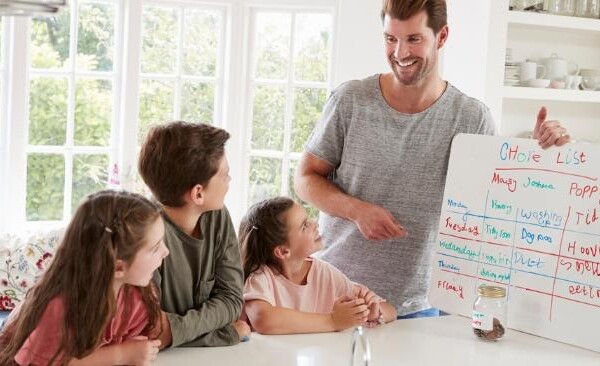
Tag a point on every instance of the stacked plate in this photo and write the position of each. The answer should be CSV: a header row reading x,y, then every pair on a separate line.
x,y
511,74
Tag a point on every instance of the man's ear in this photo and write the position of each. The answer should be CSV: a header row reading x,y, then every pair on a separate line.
x,y
119,269
196,194
442,36
281,252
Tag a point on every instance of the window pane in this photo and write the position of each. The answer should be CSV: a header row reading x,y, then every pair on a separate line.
x,y
89,175
273,45
48,111
201,37
265,178
159,47
156,105
198,102
93,109
50,41
268,117
95,41
308,105
311,211
311,54
45,184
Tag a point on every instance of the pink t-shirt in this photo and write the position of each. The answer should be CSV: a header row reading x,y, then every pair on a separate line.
x,y
43,342
324,284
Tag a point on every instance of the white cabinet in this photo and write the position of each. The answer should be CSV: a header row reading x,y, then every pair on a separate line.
x,y
536,36
473,60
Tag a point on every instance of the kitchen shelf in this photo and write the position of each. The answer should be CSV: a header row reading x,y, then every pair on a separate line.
x,y
551,21
561,95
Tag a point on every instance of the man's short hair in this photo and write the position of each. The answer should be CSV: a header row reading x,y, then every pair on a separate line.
x,y
179,155
437,14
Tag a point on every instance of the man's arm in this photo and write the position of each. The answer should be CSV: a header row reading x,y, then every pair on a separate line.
x,y
312,185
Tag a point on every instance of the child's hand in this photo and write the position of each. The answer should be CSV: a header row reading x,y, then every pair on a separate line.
x,y
162,331
348,312
243,329
374,311
365,293
139,351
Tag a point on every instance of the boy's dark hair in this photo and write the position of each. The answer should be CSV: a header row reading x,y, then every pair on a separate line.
x,y
437,14
178,155
261,230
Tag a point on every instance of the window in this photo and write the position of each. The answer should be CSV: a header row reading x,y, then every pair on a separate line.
x,y
288,87
72,107
181,65
85,86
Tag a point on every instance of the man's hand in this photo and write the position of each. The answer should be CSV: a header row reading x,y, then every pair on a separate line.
x,y
377,223
549,133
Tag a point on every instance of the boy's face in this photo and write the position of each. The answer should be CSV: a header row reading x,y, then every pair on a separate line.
x,y
217,187
412,48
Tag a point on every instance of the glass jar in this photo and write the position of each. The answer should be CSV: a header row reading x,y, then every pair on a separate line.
x,y
489,313
562,7
527,5
587,8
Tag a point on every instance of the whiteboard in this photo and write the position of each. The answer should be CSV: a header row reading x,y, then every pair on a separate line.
x,y
528,219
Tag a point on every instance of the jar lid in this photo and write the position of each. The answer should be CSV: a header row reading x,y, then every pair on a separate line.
x,y
491,291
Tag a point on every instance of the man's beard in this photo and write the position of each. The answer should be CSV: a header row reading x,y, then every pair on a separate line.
x,y
422,69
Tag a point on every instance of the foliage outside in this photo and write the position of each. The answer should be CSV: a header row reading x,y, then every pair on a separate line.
x,y
271,93
91,105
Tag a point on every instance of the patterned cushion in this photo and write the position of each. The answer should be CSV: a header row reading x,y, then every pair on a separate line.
x,y
22,260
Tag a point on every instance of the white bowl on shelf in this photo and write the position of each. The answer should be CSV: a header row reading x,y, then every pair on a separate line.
x,y
538,83
590,82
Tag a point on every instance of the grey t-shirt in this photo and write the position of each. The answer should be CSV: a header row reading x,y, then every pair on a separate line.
x,y
397,161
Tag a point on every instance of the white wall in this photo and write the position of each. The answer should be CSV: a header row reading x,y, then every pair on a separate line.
x,y
465,55
359,52
360,48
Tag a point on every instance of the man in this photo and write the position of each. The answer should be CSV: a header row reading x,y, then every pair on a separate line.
x,y
376,162
185,167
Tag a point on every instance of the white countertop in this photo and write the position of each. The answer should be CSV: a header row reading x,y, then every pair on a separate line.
x,y
447,340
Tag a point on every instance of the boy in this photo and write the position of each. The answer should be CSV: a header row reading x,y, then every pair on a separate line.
x,y
185,167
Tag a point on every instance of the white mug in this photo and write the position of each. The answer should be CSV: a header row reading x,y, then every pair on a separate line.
x,y
529,71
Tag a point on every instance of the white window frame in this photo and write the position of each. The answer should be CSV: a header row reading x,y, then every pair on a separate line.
x,y
17,117
132,76
231,95
69,149
4,174
178,78
238,193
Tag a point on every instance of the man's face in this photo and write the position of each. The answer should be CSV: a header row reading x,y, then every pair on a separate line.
x,y
412,48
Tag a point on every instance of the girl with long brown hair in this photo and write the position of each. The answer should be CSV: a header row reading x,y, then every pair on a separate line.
x,y
96,303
